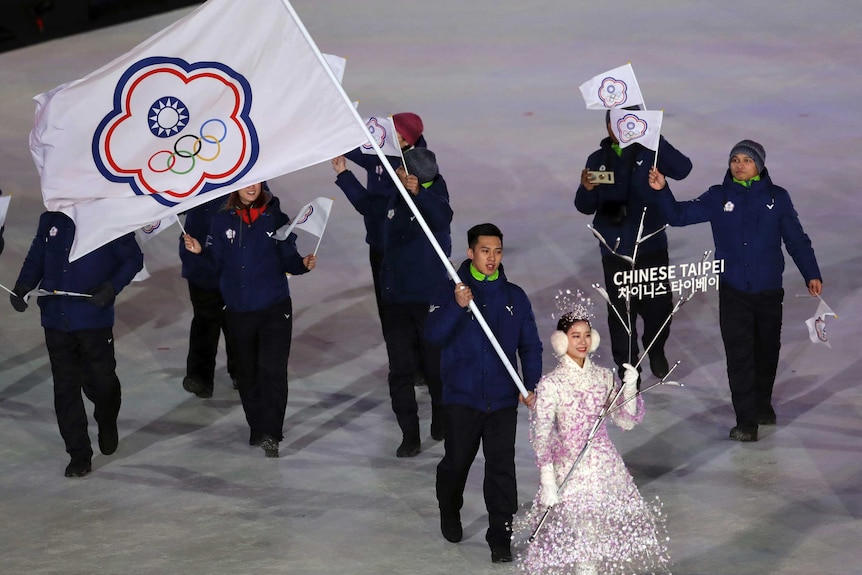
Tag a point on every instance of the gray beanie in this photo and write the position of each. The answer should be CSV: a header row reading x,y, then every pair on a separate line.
x,y
751,149
422,163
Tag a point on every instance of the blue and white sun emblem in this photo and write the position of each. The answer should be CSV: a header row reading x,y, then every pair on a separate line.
x,y
168,116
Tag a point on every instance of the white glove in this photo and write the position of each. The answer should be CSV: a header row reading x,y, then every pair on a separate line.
x,y
630,387
548,478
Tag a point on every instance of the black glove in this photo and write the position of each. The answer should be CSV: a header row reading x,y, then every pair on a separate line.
x,y
104,295
17,297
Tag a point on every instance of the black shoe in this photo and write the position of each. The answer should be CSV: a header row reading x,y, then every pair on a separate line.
x,y
269,445
767,417
108,438
740,434
409,448
658,365
197,387
450,526
78,467
501,554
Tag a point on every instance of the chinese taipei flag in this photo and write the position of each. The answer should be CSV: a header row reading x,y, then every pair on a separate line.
x,y
637,127
233,94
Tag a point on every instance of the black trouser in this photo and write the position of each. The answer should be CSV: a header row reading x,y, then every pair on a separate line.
x,y
83,361
206,328
751,331
465,427
261,342
654,311
403,330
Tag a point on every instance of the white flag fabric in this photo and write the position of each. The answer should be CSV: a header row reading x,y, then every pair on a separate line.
x,y
383,130
4,208
615,88
312,218
337,64
817,324
226,97
637,127
149,231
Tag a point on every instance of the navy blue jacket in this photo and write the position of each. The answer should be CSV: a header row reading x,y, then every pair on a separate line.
x,y
748,226
250,264
372,200
412,270
630,189
472,372
197,225
47,264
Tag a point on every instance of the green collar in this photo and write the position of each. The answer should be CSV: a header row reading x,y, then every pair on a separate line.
x,y
747,183
616,148
479,276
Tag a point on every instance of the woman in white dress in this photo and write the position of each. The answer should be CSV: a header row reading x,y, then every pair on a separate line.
x,y
599,523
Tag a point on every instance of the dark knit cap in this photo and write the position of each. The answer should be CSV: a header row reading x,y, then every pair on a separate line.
x,y
422,163
409,125
751,149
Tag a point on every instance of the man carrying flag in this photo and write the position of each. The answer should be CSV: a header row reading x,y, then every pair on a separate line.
x,y
373,199
79,329
617,208
750,218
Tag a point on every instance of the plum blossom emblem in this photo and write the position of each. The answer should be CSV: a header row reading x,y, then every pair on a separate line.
x,y
630,127
612,92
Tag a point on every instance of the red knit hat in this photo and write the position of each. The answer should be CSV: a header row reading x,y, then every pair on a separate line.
x,y
409,125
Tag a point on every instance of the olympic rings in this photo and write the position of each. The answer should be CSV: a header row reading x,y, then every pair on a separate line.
x,y
196,148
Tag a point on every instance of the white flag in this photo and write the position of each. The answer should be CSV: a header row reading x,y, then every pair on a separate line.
x,y
226,97
817,324
149,231
4,209
615,88
383,130
337,64
637,127
312,218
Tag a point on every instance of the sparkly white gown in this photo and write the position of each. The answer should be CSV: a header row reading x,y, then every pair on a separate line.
x,y
601,524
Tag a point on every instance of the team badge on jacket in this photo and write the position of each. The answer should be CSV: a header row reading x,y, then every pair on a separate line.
x,y
728,206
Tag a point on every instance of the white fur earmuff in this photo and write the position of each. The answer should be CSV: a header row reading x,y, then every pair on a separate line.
x,y
594,340
560,342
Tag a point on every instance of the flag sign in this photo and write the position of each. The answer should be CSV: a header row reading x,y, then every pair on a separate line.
x,y
312,218
383,130
637,126
615,88
817,324
221,99
149,231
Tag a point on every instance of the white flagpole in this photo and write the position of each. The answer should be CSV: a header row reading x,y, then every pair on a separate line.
x,y
405,195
